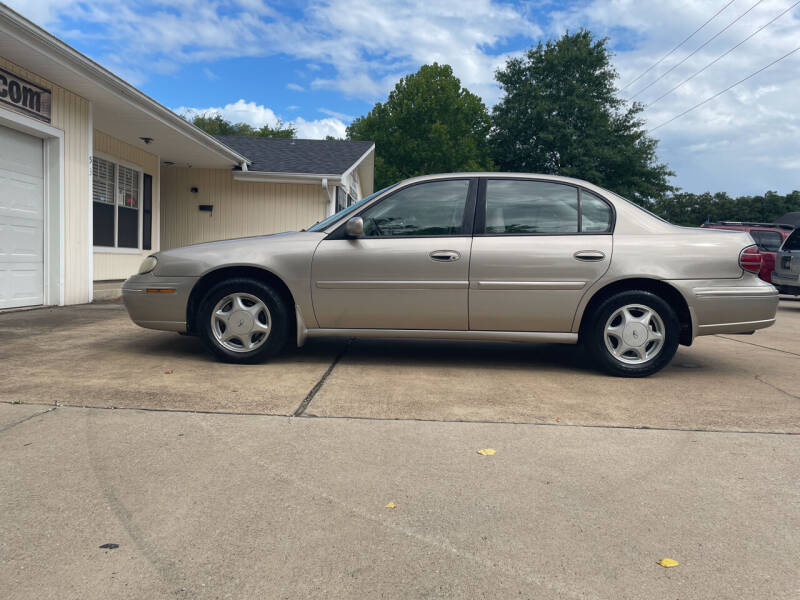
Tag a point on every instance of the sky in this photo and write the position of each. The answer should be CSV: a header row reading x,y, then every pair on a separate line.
x,y
320,63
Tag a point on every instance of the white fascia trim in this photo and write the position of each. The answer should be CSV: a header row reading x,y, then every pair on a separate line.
x,y
29,125
358,162
260,176
90,212
73,60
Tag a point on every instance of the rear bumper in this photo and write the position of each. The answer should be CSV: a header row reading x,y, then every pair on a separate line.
x,y
725,306
153,309
786,284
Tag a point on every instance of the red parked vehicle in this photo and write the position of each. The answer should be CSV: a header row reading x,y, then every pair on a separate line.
x,y
767,236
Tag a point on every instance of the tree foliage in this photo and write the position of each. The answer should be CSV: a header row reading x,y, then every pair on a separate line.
x,y
560,114
693,209
215,124
428,124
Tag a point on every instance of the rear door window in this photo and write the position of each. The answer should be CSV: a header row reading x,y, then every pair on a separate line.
x,y
595,214
518,207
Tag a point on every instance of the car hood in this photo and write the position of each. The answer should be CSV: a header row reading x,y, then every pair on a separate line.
x,y
257,251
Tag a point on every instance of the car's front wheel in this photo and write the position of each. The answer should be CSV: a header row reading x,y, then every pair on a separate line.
x,y
633,334
243,320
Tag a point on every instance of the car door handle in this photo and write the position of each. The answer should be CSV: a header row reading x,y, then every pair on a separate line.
x,y
444,255
589,255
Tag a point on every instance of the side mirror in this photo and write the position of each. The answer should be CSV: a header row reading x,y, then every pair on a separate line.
x,y
354,227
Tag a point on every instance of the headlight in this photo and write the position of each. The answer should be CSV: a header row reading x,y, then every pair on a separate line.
x,y
148,264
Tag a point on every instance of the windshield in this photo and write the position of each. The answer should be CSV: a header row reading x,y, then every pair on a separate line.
x,y
792,242
325,223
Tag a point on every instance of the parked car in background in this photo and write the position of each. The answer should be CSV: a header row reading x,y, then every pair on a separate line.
x,y
792,219
466,256
786,276
767,236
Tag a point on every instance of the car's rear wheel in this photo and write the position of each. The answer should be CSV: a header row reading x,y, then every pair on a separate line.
x,y
243,320
633,334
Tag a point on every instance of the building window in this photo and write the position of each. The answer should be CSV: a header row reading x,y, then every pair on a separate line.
x,y
354,184
117,199
341,199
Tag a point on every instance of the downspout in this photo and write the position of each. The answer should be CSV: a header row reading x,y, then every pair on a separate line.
x,y
329,198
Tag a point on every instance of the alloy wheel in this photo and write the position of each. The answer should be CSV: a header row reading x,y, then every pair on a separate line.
x,y
241,322
634,334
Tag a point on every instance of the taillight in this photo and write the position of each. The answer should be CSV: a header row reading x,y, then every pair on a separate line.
x,y
750,259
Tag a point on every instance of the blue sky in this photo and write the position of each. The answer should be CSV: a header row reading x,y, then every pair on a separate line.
x,y
319,63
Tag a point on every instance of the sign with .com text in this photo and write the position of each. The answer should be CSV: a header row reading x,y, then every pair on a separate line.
x,y
24,96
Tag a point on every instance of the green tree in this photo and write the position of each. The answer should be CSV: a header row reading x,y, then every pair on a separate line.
x,y
428,124
684,208
560,114
215,124
281,130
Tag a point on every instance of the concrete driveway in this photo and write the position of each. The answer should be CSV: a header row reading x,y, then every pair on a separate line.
x,y
577,502
94,356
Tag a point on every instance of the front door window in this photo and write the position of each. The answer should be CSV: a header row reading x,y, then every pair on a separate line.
x,y
429,209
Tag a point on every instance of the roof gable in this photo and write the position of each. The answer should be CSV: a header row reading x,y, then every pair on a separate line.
x,y
281,155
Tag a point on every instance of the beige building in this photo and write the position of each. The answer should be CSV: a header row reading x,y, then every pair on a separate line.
x,y
95,175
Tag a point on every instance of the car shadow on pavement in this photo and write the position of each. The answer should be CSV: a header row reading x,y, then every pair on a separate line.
x,y
169,345
408,354
466,354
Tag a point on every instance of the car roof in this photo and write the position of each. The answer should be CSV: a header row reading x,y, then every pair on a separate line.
x,y
502,174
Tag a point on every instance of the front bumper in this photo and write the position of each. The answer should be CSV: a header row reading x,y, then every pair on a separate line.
x,y
154,309
786,283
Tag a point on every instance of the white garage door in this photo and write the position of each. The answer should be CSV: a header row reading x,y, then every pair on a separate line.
x,y
21,220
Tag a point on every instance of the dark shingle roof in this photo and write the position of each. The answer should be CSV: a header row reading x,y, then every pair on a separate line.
x,y
277,155
792,218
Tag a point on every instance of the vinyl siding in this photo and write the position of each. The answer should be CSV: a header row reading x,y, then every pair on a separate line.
x,y
111,265
240,208
70,114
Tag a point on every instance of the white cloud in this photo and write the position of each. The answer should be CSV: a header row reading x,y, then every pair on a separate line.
x,y
743,142
362,44
336,115
236,112
295,87
320,128
258,115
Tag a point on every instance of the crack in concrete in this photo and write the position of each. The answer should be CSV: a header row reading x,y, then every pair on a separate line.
x,y
28,418
775,387
318,386
724,337
423,420
540,424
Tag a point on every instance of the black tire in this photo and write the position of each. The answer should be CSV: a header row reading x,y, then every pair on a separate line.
x,y
279,319
595,335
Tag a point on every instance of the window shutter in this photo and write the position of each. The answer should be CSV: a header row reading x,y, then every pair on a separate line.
x,y
147,212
